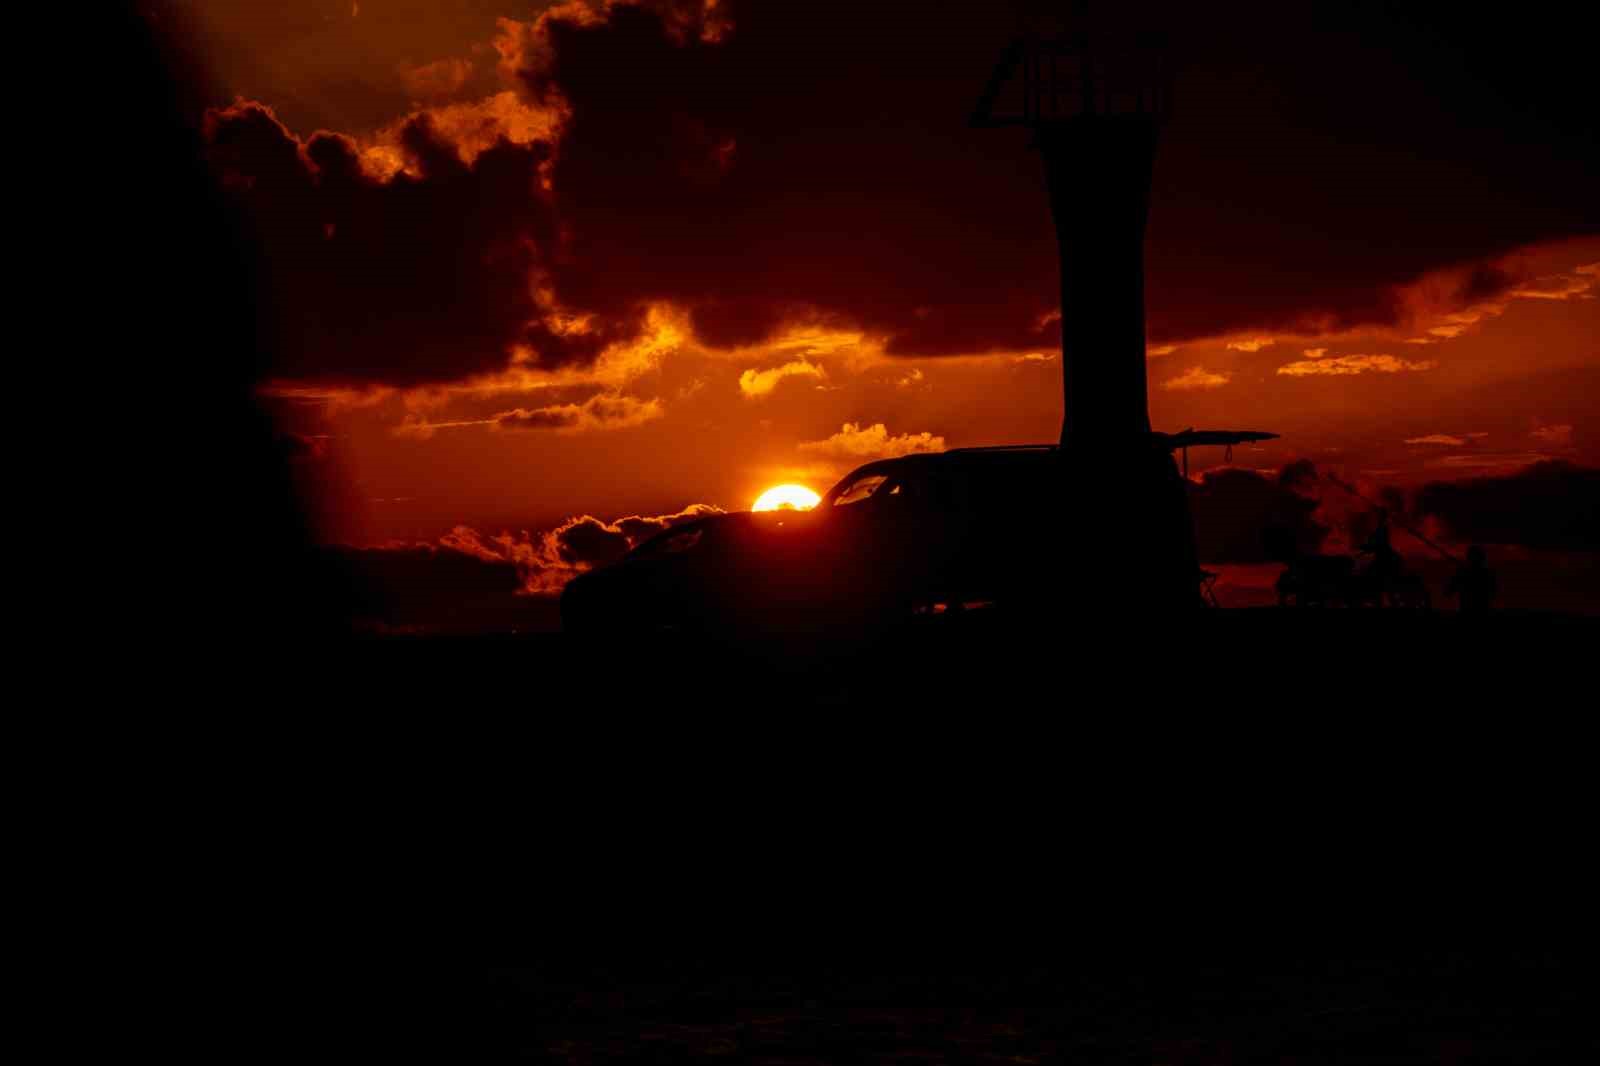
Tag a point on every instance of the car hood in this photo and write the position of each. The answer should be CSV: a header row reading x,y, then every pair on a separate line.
x,y
736,531
726,542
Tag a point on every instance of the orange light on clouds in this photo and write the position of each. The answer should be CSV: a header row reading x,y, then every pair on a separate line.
x,y
786,497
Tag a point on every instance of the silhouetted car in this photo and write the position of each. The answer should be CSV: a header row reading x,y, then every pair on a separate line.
x,y
918,534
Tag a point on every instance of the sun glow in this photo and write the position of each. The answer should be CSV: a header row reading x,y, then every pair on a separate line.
x,y
786,497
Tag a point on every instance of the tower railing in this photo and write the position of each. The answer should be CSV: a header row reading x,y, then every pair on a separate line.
x,y
1072,77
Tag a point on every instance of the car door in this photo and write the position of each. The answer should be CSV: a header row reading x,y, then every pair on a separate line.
x,y
897,536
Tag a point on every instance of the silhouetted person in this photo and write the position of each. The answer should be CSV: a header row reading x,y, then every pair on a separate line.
x,y
1474,583
1386,563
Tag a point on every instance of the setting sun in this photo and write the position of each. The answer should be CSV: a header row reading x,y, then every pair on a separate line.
x,y
786,497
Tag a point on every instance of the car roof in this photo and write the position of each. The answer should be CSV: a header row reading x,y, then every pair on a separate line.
x,y
1009,454
1002,456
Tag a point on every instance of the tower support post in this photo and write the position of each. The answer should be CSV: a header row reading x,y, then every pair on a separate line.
x,y
1098,172
1095,109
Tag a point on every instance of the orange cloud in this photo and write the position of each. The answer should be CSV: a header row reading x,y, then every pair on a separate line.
x,y
1197,377
755,383
420,429
605,411
854,442
1559,436
1354,364
471,128
1561,286
546,561
1499,461
441,78
1456,299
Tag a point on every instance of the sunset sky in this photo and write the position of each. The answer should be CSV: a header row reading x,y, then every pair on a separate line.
x,y
517,263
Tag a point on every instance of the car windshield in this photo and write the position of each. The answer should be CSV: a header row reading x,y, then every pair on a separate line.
x,y
859,489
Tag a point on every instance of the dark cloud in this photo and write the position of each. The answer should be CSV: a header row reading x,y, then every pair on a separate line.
x,y
640,529
423,277
816,156
1485,281
1299,476
790,169
471,581
431,589
586,542
589,542
1242,516
783,161
1550,505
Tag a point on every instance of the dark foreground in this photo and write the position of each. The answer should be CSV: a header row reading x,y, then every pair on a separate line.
x,y
1457,725
1245,774
1395,1008
1278,837
1236,663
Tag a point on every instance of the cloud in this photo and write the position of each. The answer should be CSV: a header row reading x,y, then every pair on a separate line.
x,y
1197,377
854,442
417,428
546,561
1237,513
469,127
605,411
638,528
1502,461
1252,344
601,411
1561,286
1546,505
442,78
1557,436
470,581
1438,438
1450,302
755,383
1551,505
1531,502
1299,475
1354,364
419,277
758,193
848,240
